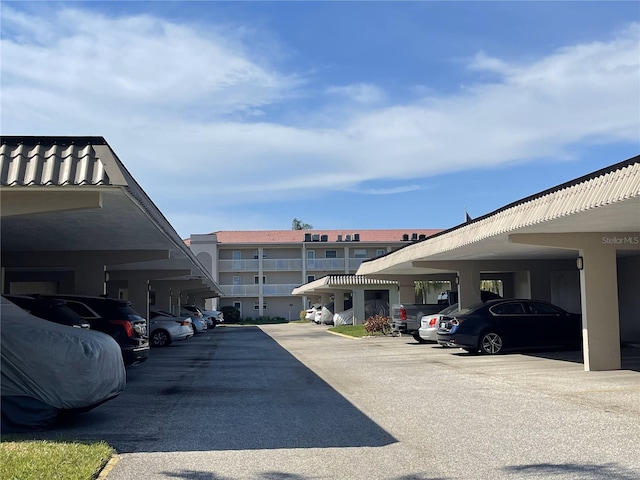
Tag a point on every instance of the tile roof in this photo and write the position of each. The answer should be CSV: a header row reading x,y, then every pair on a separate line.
x,y
328,281
298,236
51,162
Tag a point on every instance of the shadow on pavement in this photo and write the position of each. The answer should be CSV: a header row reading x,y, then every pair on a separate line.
x,y
233,388
609,471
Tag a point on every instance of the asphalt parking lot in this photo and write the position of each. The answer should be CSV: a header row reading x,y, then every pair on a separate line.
x,y
295,402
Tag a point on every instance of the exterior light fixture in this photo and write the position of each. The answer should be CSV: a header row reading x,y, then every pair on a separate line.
x,y
580,263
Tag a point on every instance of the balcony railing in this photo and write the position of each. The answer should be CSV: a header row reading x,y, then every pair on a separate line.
x,y
325,264
268,290
282,264
238,265
289,265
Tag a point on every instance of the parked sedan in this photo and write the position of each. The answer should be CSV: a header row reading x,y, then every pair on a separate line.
x,y
198,319
199,324
514,324
48,368
312,311
167,328
216,315
429,324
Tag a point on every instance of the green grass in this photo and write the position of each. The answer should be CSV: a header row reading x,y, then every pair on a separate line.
x,y
41,459
357,331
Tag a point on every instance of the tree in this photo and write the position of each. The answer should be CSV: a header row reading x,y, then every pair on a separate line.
x,y
300,225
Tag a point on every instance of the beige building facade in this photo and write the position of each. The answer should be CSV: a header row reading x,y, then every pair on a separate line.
x,y
258,270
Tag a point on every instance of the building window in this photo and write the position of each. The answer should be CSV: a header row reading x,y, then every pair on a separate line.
x,y
360,253
331,254
256,305
237,280
310,278
380,252
256,254
256,279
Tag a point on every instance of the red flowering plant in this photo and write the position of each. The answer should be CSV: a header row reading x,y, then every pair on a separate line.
x,y
378,325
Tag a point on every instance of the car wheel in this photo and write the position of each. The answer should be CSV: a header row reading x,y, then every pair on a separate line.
x,y
418,338
491,343
160,338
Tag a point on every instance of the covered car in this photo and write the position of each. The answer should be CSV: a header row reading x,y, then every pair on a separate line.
x,y
47,368
371,309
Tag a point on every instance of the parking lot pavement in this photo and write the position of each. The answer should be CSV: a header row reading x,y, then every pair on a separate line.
x,y
293,402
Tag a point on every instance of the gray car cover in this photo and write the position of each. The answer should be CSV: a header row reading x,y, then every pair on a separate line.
x,y
59,366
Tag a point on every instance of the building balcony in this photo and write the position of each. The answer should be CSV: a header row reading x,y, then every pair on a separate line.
x,y
290,265
268,290
268,265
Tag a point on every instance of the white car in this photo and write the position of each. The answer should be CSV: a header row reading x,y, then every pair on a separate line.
x,y
216,315
311,312
167,328
429,324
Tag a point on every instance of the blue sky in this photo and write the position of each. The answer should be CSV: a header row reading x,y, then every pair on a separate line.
x,y
245,115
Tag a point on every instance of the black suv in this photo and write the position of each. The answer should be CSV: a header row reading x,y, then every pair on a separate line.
x,y
52,309
116,318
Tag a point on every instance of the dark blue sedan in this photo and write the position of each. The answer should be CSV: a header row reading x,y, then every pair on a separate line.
x,y
511,324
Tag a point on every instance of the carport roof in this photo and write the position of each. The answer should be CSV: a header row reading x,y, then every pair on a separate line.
x,y
607,200
330,282
58,175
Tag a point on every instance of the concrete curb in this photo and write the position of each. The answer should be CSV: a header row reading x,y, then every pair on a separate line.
x,y
108,467
343,335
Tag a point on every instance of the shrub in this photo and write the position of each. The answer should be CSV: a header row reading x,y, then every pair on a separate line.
x,y
231,314
303,315
378,325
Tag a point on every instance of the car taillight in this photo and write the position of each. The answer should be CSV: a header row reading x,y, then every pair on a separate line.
x,y
403,314
433,321
127,326
184,323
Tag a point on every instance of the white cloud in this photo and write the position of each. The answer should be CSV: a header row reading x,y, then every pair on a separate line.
x,y
363,93
178,105
136,66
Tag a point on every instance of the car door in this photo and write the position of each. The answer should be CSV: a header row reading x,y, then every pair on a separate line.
x,y
550,324
512,323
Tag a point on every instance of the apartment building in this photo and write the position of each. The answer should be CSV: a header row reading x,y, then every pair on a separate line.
x,y
257,270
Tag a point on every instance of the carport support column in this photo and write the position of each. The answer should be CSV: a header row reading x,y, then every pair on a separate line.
x,y
338,301
139,295
468,284
600,322
357,298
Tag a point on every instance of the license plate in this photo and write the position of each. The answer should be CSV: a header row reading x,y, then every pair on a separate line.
x,y
443,325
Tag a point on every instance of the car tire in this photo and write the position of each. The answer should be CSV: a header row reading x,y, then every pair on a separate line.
x,y
418,338
160,338
491,343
